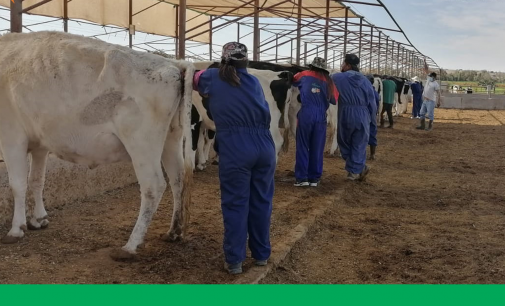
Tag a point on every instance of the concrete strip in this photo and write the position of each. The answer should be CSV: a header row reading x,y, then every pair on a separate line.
x,y
281,249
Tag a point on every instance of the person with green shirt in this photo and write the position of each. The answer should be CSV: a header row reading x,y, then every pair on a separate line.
x,y
389,88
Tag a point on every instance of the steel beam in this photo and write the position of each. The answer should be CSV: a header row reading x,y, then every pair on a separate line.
x,y
16,16
130,21
256,32
346,29
326,30
210,39
65,15
299,32
182,29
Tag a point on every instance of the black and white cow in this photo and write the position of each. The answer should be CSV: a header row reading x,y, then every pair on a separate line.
x,y
277,89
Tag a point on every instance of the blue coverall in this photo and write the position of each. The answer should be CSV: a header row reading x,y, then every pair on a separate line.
x,y
246,161
311,126
373,125
356,113
417,94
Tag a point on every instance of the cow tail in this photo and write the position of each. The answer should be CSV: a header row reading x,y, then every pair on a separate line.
x,y
285,136
187,143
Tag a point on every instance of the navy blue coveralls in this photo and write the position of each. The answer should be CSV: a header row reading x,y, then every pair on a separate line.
x,y
417,94
311,126
246,161
357,109
373,127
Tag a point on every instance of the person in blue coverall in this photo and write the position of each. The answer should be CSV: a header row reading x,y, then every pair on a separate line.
x,y
317,91
417,98
246,155
372,142
357,109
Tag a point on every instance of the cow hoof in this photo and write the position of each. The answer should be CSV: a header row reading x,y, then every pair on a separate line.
x,y
121,255
10,239
171,237
38,224
200,167
44,223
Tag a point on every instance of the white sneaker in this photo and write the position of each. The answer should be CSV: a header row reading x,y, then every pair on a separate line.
x,y
302,184
314,184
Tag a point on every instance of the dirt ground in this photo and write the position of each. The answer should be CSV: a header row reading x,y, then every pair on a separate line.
x,y
431,211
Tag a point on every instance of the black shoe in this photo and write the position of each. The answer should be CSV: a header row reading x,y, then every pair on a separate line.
x,y
372,152
233,269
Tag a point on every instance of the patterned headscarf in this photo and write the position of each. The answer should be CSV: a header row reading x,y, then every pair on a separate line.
x,y
319,62
234,51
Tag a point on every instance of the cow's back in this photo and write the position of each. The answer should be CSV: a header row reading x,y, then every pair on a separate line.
x,y
71,93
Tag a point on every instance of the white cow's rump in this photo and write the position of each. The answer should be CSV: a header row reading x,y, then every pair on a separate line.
x,y
94,103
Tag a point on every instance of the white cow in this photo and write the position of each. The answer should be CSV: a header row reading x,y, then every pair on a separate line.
x,y
92,103
265,78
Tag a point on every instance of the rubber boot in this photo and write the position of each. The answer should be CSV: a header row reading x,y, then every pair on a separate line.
x,y
372,152
423,124
430,126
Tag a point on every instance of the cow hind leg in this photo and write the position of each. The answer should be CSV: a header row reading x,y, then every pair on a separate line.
x,y
147,166
173,161
15,157
39,219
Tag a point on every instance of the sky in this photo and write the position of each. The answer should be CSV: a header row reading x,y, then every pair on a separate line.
x,y
457,34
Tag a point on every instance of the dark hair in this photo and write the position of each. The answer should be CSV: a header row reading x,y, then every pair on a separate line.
x,y
228,72
329,81
353,61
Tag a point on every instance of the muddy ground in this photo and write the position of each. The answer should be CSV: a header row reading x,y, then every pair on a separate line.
x,y
431,211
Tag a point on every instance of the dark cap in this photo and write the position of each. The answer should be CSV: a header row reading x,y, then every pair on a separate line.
x,y
433,74
351,59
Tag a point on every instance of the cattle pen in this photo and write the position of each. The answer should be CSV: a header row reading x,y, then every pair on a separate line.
x,y
420,217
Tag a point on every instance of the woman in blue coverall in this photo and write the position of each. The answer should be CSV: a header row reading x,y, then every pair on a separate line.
x,y
357,109
246,155
317,91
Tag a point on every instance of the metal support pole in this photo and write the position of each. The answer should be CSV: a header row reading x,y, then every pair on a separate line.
x,y
65,15
371,48
387,51
379,55
404,64
176,31
326,30
16,16
333,58
360,35
398,59
299,33
276,47
182,29
305,55
291,61
345,29
130,21
238,32
256,33
210,38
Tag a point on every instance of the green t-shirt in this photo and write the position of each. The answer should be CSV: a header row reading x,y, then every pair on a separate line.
x,y
389,88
